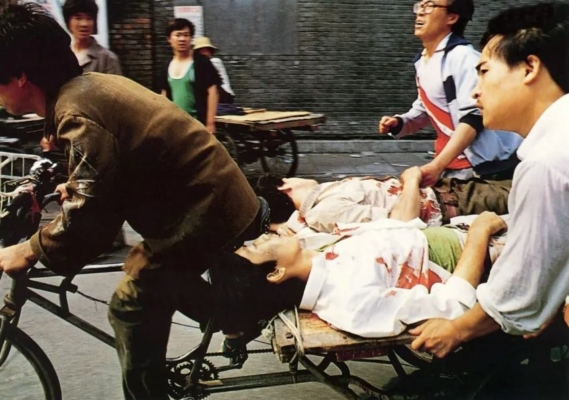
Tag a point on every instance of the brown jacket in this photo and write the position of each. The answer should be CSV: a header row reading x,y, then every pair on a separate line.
x,y
135,156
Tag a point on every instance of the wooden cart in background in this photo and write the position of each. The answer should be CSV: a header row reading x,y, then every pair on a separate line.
x,y
266,136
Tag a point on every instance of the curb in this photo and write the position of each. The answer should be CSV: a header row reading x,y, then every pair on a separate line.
x,y
359,146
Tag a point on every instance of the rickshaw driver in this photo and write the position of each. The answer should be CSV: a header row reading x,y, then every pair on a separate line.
x,y
523,69
134,156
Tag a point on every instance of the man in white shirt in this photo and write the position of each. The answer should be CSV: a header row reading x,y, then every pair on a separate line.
x,y
375,278
523,86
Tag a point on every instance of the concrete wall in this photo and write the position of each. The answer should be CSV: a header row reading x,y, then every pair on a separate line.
x,y
353,60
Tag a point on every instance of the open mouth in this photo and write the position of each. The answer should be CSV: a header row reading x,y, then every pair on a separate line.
x,y
419,24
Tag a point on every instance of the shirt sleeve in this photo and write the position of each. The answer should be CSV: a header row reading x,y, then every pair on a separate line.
x,y
528,282
113,64
91,219
208,75
218,64
343,206
462,61
163,81
413,120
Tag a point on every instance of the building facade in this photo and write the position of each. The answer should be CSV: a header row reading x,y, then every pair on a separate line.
x,y
348,59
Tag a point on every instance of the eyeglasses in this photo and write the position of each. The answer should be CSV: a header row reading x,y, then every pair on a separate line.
x,y
426,8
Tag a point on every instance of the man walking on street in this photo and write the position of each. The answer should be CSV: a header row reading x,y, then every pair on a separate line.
x,y
445,78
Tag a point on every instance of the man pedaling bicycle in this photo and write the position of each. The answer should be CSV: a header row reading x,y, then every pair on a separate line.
x,y
133,156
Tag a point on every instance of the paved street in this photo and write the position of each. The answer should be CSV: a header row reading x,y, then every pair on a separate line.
x,y
325,167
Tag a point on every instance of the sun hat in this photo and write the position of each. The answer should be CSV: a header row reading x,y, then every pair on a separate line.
x,y
203,41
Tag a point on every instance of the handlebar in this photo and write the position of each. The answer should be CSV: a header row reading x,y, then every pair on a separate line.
x,y
21,215
50,198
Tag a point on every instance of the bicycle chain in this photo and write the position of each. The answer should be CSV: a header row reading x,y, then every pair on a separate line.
x,y
220,353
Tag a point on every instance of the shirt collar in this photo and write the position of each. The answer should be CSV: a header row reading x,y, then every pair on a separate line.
x,y
441,46
316,280
312,197
541,128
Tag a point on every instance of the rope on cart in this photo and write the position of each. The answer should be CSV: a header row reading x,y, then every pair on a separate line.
x,y
295,330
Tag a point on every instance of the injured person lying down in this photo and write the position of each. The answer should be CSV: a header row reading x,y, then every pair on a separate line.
x,y
321,206
377,278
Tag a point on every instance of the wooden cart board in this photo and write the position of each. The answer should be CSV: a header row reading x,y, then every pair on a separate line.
x,y
319,337
270,120
261,116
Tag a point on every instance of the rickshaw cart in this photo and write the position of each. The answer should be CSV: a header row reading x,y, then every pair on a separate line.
x,y
266,136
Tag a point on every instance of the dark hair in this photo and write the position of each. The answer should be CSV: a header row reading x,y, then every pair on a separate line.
x,y
72,7
243,296
33,43
465,10
280,204
178,24
541,30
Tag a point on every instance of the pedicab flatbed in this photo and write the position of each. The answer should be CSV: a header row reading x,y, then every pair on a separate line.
x,y
267,136
319,337
311,336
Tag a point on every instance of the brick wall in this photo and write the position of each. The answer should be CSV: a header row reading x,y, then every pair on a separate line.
x,y
354,61
131,37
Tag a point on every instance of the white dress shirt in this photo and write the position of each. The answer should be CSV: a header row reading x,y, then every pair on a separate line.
x,y
530,280
376,280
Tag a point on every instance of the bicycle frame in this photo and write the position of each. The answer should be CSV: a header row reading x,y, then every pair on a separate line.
x,y
187,385
26,289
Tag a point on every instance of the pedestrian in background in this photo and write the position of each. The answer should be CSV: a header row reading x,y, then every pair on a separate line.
x,y
81,20
204,46
190,81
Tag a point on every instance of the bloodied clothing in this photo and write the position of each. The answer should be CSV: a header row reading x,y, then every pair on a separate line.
x,y
380,277
360,200
135,156
368,199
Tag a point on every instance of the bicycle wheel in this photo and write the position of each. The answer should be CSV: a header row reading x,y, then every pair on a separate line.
x,y
27,373
280,156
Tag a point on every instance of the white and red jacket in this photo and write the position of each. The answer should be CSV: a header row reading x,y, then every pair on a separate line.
x,y
459,77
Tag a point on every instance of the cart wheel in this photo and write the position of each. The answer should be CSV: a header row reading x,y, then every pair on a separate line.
x,y
280,155
227,141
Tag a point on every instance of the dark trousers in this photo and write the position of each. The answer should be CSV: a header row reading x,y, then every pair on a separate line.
x,y
141,310
140,313
472,196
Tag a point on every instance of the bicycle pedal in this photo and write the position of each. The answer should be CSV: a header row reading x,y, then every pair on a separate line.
x,y
235,351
